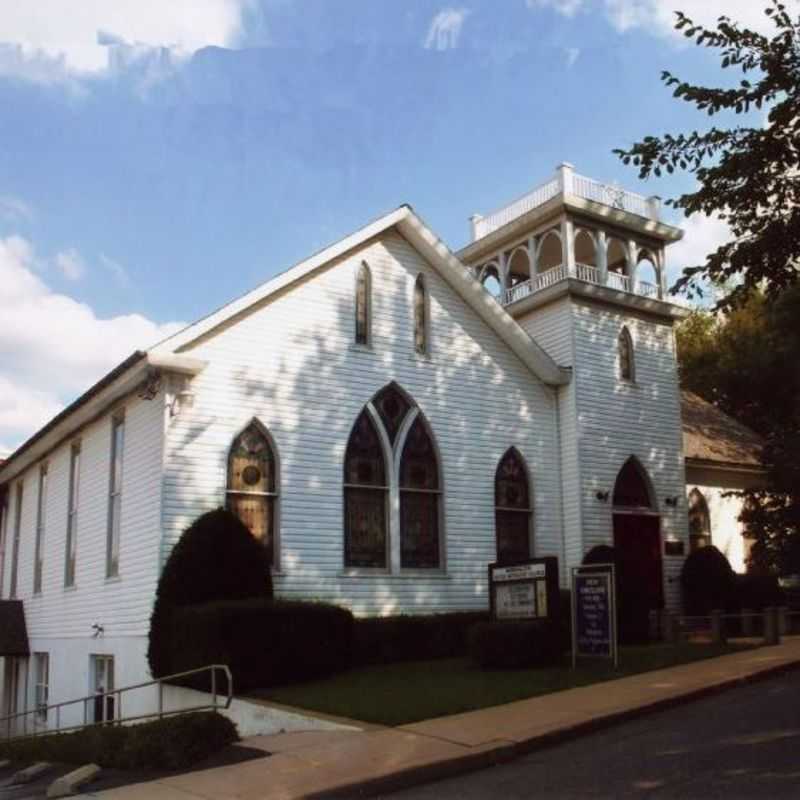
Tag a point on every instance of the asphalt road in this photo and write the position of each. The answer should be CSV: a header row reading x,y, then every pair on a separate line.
x,y
742,743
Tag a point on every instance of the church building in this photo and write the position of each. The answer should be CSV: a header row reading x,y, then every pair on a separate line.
x,y
387,416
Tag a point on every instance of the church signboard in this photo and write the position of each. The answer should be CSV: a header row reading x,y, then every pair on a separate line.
x,y
594,615
524,589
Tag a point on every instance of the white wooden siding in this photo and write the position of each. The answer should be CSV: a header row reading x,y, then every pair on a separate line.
x,y
121,605
292,363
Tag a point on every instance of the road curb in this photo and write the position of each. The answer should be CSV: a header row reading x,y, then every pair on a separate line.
x,y
504,753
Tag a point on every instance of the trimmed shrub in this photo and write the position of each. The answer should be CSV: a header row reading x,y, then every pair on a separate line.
x,y
757,592
515,644
385,640
216,558
174,742
264,642
707,582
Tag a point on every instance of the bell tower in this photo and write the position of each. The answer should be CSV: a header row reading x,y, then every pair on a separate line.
x,y
580,265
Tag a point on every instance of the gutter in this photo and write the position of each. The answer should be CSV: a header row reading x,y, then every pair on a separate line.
x,y
111,388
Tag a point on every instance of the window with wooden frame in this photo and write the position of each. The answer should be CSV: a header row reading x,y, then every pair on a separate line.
x,y
115,495
41,683
72,515
363,305
392,488
627,370
41,511
252,489
513,512
699,521
421,342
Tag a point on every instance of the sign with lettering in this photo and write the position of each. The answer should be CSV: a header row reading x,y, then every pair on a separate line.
x,y
524,590
594,624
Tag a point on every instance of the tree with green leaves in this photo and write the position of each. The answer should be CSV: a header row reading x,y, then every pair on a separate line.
x,y
748,175
747,362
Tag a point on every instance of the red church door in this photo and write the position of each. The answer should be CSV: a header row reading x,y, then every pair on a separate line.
x,y
637,541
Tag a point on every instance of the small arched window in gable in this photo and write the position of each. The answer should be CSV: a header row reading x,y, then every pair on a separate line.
x,y
252,491
363,304
513,510
420,491
420,316
699,521
366,494
625,355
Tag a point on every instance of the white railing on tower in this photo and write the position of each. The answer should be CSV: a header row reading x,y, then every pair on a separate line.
x,y
537,197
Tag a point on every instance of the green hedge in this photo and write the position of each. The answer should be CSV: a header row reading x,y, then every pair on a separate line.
x,y
264,642
386,640
757,592
515,644
708,582
174,742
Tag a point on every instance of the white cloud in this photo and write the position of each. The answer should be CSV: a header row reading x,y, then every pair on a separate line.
x,y
50,40
702,236
658,16
13,209
71,264
53,347
117,270
445,29
571,54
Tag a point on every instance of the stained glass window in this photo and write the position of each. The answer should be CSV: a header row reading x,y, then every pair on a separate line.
x,y
699,521
392,406
625,348
365,496
630,488
252,484
512,508
363,303
419,500
420,317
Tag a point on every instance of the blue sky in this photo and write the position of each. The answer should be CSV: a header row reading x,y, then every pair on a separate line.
x,y
155,164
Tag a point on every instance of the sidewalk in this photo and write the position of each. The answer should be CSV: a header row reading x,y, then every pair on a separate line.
x,y
362,763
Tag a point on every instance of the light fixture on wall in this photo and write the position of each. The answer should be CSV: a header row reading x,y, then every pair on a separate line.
x,y
672,502
602,496
99,630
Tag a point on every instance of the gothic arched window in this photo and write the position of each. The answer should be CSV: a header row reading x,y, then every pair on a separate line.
x,y
420,316
365,496
252,492
513,511
419,499
391,462
625,352
363,304
631,488
699,521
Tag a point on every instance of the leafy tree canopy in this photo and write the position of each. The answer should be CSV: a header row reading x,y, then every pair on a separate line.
x,y
748,175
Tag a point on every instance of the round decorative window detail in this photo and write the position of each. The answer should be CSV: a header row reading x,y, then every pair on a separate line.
x,y
251,475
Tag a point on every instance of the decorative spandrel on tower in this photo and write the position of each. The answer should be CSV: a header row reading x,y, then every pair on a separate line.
x,y
572,232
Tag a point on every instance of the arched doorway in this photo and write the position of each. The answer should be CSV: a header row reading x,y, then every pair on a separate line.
x,y
637,541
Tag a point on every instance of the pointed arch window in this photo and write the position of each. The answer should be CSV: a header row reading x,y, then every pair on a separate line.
x,y
625,354
513,511
366,493
419,500
420,317
631,489
699,521
252,489
392,487
363,304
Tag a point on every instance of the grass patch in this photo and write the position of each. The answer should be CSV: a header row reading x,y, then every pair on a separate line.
x,y
397,694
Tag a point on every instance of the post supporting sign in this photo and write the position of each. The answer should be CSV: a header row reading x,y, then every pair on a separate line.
x,y
594,613
525,589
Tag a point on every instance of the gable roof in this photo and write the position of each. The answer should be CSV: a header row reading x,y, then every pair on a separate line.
x,y
435,252
713,437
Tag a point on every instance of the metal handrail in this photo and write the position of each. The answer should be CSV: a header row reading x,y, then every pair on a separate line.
x,y
6,722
